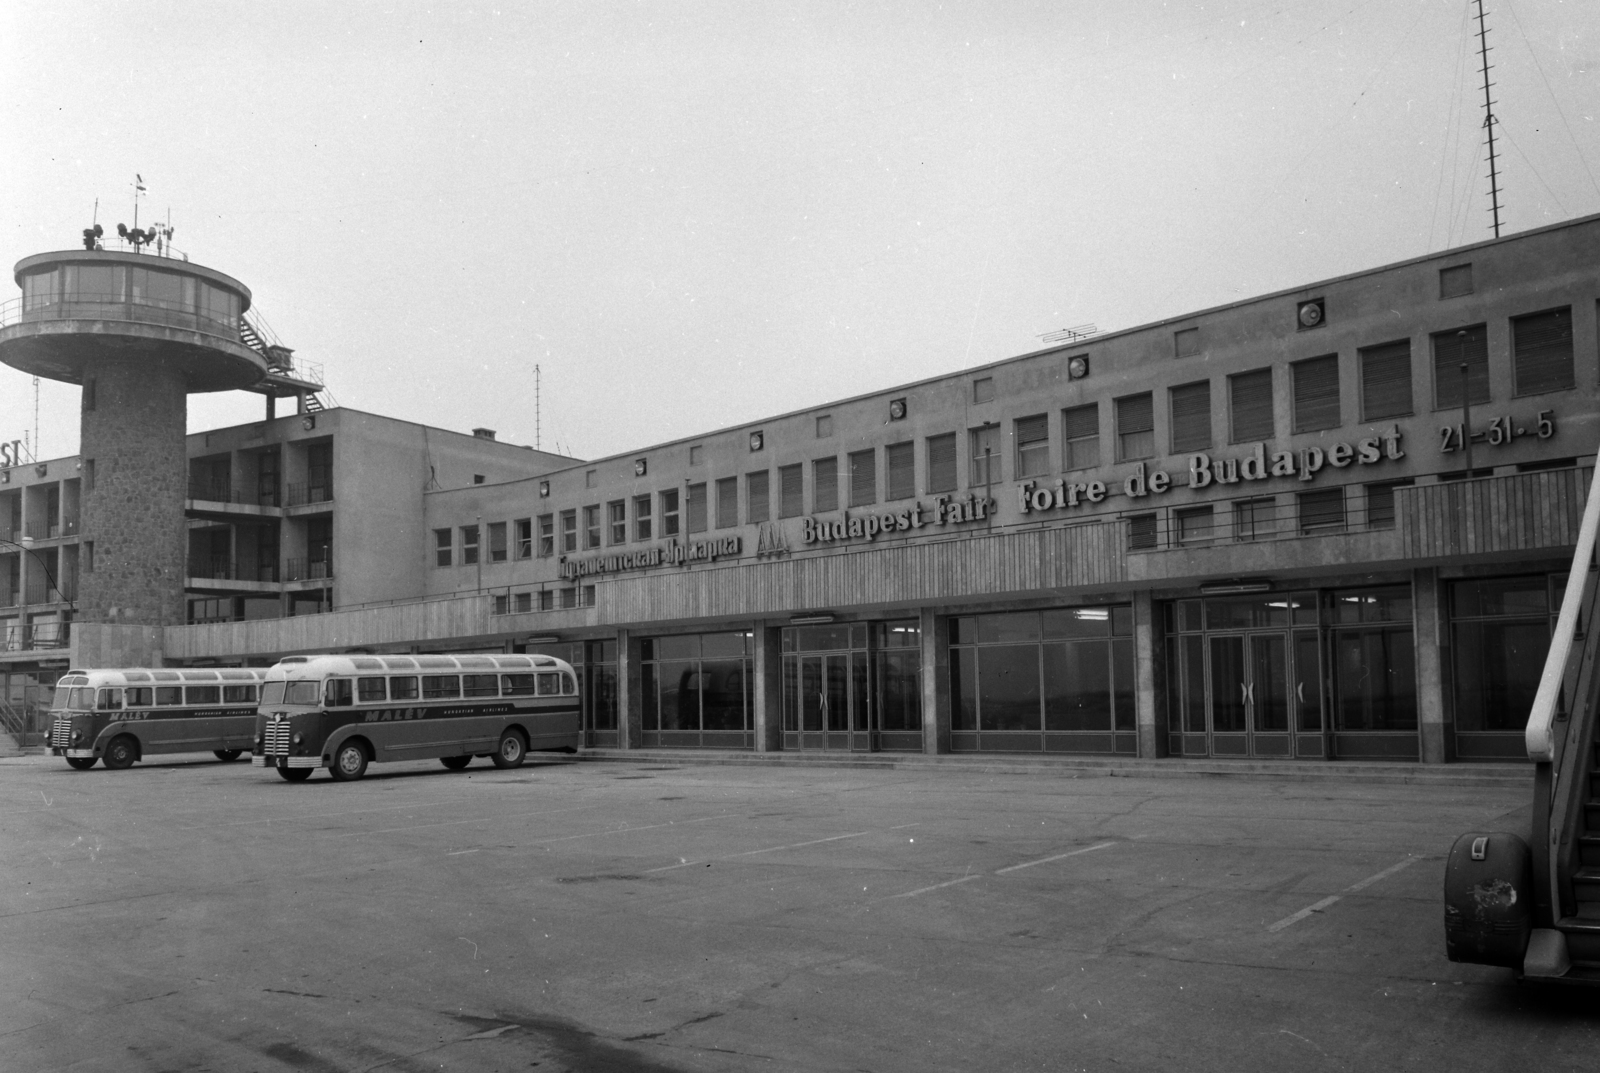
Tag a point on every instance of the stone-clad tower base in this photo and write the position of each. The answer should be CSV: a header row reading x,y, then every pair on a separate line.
x,y
134,473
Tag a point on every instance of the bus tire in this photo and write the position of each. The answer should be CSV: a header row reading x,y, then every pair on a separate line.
x,y
80,763
295,774
349,761
227,756
511,751
456,763
121,753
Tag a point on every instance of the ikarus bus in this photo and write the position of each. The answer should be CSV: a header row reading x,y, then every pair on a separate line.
x,y
345,712
121,716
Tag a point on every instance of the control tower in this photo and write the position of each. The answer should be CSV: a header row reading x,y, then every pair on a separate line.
x,y
139,332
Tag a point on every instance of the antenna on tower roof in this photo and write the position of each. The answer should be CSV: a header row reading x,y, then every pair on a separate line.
x,y
1069,335
1488,121
536,445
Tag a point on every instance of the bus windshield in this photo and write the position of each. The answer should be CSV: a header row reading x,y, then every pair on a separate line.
x,y
63,698
290,693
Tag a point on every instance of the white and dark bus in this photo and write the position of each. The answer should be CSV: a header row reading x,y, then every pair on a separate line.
x,y
345,712
121,716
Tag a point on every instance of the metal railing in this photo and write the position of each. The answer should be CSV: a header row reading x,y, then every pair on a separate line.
x,y
302,494
223,568
51,530
1250,521
308,570
38,309
31,636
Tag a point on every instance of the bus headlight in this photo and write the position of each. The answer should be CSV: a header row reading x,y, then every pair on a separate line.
x,y
77,736
298,738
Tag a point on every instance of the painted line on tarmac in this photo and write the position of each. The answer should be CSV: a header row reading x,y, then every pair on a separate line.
x,y
774,849
1002,871
1317,907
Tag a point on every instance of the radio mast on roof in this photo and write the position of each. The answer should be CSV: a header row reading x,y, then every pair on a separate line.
x,y
1488,121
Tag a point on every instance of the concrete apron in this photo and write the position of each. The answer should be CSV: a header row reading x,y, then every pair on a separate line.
x,y
1516,775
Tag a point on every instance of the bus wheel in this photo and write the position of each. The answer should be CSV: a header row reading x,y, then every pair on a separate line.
x,y
511,750
455,763
81,763
295,774
350,762
226,755
121,753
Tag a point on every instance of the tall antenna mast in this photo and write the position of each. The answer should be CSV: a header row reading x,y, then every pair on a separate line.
x,y
1488,120
36,419
536,444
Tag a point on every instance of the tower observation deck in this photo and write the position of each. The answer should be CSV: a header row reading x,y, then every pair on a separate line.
x,y
138,332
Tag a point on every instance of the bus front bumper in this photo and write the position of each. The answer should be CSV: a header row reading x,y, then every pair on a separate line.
x,y
285,761
74,753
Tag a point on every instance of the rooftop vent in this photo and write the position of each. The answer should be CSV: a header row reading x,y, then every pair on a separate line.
x,y
483,433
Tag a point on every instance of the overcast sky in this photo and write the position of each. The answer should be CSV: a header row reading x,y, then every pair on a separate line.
x,y
695,214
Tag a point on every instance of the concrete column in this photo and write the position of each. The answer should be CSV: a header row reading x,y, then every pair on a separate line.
x,y
134,432
1434,726
768,660
935,681
630,695
1149,679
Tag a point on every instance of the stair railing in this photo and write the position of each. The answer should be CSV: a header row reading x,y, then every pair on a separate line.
x,y
1559,726
15,723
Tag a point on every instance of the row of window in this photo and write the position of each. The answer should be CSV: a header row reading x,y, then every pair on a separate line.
x,y
380,689
1312,513
114,699
520,603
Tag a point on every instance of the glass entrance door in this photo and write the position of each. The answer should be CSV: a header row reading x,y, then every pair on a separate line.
x,y
1249,677
828,700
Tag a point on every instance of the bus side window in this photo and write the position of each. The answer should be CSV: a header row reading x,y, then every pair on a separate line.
x,y
338,693
370,690
82,699
198,695
169,696
569,685
403,688
138,696
435,686
238,694
479,685
549,685
516,685
109,700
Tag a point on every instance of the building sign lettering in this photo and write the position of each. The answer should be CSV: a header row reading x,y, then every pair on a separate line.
x,y
11,454
1502,430
670,554
946,510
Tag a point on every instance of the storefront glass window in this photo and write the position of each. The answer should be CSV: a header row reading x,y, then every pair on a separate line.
x,y
696,682
1500,632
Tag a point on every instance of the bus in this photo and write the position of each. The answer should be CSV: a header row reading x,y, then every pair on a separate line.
x,y
345,712
120,716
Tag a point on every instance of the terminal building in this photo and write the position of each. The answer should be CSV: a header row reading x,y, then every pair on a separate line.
x,y
1325,524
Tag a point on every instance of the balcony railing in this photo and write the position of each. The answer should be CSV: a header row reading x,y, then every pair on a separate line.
x,y
1249,521
28,637
38,308
212,492
42,530
308,570
301,494
222,568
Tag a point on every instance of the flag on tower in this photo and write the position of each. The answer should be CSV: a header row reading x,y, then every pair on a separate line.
x,y
138,181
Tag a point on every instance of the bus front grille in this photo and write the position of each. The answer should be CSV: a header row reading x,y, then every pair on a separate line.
x,y
276,740
60,733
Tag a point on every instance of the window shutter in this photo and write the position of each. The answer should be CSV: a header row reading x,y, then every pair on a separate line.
x,y
942,463
1316,394
1191,417
1543,346
793,504
1386,381
902,463
1033,445
727,502
1450,349
825,485
863,478
758,503
1135,413
1252,406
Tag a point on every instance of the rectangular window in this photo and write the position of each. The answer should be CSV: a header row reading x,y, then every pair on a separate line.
x,y
1455,281
1191,417
641,517
695,507
1033,446
669,513
727,502
469,545
547,535
569,598
1321,511
617,520
441,544
502,604
1452,350
591,526
1193,524
1255,519
757,498
1316,393
900,459
791,491
1380,504
863,477
824,485
547,600
1142,531
524,602
1250,404
569,531
985,455
1386,380
983,389
1541,347
1080,437
824,426
942,463
524,538
498,551
1136,427
1186,344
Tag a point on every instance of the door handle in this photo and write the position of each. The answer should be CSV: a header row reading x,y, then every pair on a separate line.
x,y
1300,692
